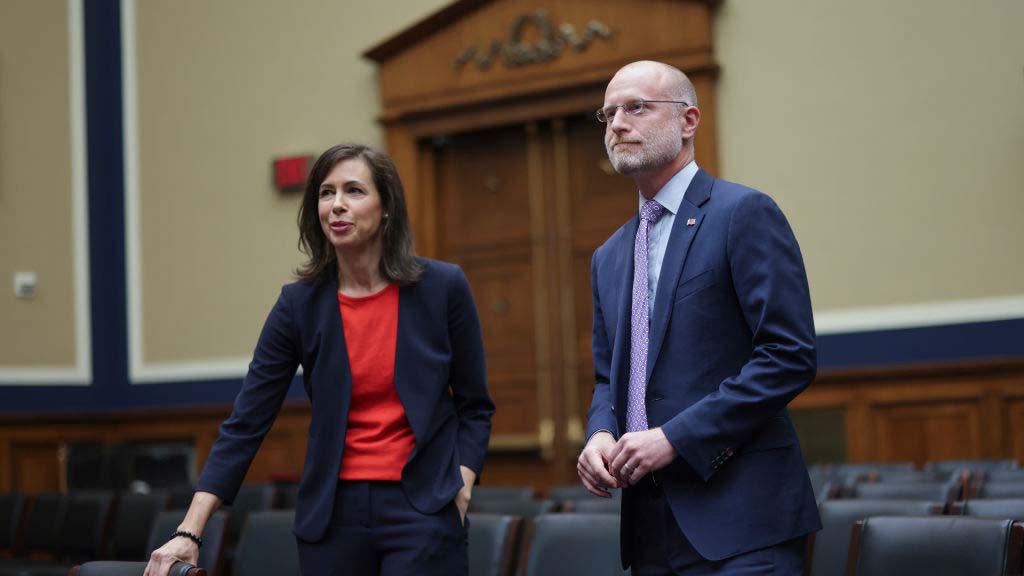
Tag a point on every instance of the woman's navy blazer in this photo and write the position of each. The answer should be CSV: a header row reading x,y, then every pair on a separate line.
x,y
439,375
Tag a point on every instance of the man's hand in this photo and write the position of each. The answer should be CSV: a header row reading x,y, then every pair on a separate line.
x,y
592,465
465,494
638,453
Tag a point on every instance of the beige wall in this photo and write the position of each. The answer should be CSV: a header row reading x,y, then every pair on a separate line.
x,y
35,184
891,132
223,87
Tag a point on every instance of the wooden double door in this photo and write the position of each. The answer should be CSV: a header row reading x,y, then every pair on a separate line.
x,y
521,208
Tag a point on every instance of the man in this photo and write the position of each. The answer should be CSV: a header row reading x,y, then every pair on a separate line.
x,y
702,335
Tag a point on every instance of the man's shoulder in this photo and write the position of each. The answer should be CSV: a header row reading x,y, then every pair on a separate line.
x,y
622,234
728,193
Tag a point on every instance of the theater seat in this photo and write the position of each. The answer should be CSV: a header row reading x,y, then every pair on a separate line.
x,y
134,516
831,544
267,546
11,506
211,555
523,508
1012,508
131,569
572,545
936,545
493,542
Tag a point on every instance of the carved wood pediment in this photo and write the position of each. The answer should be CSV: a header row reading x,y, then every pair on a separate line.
x,y
477,51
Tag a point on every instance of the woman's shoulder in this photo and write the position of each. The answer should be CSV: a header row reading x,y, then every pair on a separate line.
x,y
304,289
434,270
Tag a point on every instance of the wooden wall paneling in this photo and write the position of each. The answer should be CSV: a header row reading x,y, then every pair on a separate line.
x,y
6,469
425,189
860,433
566,285
930,430
35,467
991,425
600,201
489,222
540,244
405,152
1014,428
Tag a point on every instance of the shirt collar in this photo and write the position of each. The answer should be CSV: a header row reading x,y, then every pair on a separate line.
x,y
671,194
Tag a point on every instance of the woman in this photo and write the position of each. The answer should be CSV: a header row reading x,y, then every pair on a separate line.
x,y
393,365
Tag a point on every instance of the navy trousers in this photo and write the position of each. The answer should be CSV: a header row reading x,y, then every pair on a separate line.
x,y
659,547
375,531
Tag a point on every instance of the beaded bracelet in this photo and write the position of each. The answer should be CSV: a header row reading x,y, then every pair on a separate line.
x,y
197,539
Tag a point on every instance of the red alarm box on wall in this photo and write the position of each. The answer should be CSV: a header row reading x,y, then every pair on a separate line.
x,y
290,172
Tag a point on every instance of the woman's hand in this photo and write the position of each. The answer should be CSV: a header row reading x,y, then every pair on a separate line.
x,y
465,494
176,549
181,548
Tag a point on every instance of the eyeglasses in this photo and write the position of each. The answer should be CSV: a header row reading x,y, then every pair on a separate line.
x,y
633,107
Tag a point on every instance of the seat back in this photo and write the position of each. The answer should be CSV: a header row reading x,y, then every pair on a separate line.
x,y
523,508
115,568
572,545
1001,490
266,546
493,543
937,546
11,506
973,465
134,516
287,495
250,498
1016,475
44,521
488,493
569,493
211,554
595,506
1009,508
832,543
85,524
941,491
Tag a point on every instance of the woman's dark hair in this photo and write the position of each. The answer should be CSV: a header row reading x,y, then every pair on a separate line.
x,y
398,262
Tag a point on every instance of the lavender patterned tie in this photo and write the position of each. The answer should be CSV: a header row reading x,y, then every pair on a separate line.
x,y
636,411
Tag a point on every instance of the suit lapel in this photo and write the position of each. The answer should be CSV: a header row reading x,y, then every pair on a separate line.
x,y
679,240
333,353
623,275
405,354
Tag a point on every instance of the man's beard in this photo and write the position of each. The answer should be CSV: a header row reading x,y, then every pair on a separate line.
x,y
661,148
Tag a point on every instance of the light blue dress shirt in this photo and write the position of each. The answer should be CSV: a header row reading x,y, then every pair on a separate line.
x,y
670,197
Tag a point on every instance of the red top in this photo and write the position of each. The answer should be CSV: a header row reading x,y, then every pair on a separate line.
x,y
379,439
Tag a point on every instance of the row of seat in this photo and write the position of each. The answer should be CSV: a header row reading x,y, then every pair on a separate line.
x,y
952,481
498,545
47,533
502,545
829,549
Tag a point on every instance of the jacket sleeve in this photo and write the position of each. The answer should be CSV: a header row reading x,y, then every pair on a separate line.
x,y
771,289
468,374
601,415
273,366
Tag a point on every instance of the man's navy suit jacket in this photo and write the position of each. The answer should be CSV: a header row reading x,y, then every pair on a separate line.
x,y
439,375
731,343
